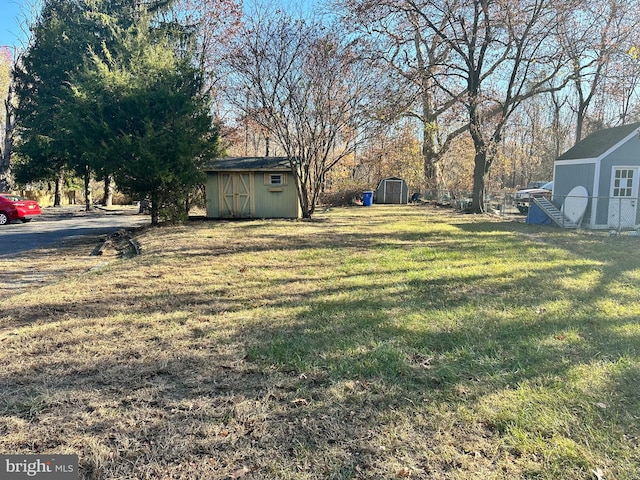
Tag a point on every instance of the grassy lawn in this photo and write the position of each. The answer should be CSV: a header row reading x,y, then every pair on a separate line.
x,y
370,343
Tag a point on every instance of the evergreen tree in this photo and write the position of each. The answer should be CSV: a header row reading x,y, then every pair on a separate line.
x,y
42,82
109,89
144,112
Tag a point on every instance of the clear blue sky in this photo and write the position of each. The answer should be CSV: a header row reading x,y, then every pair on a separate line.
x,y
10,31
11,15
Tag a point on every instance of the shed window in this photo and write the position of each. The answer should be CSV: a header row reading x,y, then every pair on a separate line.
x,y
623,183
275,179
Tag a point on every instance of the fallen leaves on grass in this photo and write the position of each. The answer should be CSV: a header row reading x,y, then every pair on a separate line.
x,y
404,472
335,355
239,473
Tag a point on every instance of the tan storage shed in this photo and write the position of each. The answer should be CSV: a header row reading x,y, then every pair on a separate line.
x,y
251,187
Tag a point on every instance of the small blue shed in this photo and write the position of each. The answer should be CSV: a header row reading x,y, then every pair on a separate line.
x,y
607,164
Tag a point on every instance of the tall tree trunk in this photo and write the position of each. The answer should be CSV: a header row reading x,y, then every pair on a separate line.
x,y
485,153
479,145
580,122
302,190
430,158
557,125
5,153
88,199
477,204
107,200
430,154
57,196
304,202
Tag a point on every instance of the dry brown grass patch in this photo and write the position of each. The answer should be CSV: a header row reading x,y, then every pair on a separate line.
x,y
351,347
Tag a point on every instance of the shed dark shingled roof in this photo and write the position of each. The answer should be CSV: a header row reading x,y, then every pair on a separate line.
x,y
249,163
598,142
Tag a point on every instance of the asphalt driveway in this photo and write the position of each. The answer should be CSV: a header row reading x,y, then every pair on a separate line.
x,y
57,224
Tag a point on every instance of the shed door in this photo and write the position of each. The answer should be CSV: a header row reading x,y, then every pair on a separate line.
x,y
235,195
623,203
393,191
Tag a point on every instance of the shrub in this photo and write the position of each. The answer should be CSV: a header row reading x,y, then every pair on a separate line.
x,y
342,197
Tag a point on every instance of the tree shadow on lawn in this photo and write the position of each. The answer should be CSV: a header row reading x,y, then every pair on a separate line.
x,y
137,414
469,354
408,374
361,380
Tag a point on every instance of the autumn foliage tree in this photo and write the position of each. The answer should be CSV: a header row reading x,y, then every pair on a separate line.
x,y
414,58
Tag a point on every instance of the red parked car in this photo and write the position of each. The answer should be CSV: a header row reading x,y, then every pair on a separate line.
x,y
13,207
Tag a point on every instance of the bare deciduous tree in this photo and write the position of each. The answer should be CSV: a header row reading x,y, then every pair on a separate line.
x,y
594,35
416,59
216,22
501,55
310,88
